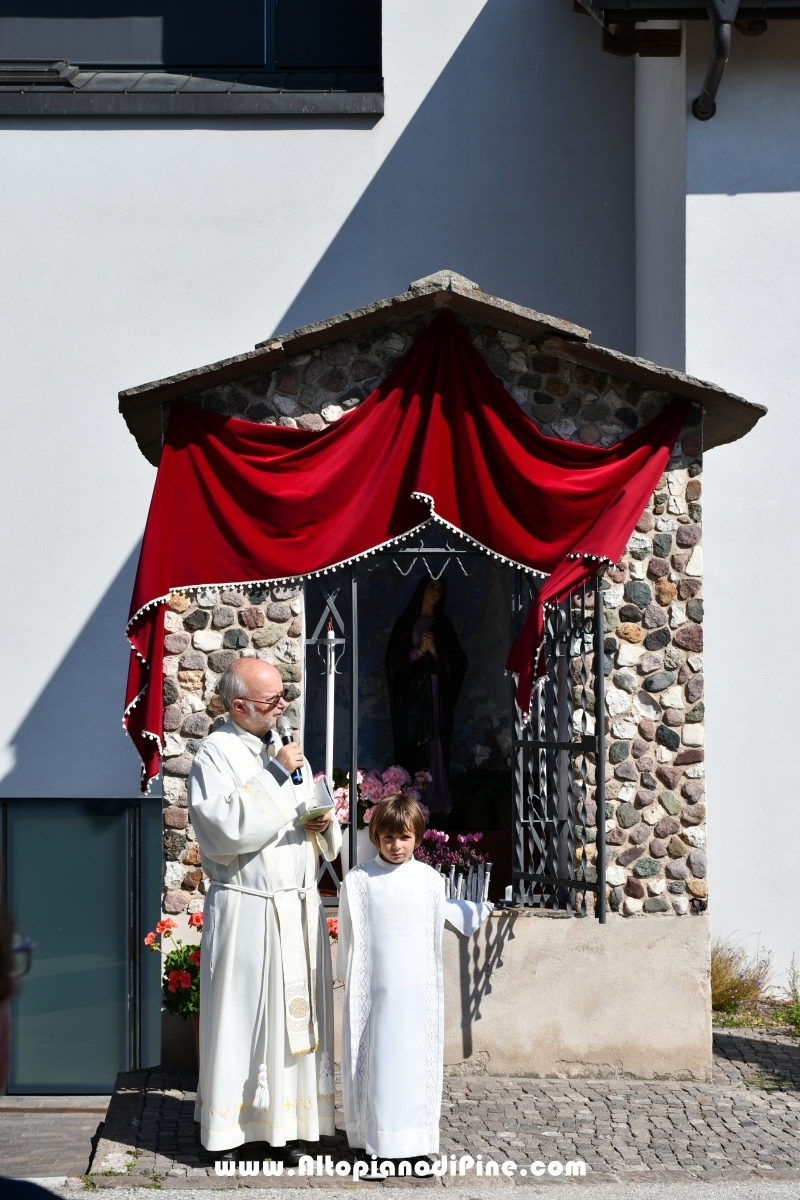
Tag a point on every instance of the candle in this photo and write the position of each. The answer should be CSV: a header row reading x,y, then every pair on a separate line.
x,y
330,669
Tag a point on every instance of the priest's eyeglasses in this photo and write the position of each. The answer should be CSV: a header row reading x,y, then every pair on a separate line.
x,y
269,703
21,952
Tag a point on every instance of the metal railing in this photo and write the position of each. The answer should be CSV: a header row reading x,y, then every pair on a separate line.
x,y
558,855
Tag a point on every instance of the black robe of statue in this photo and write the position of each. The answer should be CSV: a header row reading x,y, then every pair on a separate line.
x,y
409,683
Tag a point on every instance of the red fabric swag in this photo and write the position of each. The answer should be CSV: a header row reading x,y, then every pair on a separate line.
x,y
239,502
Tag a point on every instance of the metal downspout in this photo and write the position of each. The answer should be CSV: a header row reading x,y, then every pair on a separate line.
x,y
722,14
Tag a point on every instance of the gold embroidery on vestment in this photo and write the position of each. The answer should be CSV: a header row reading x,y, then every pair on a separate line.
x,y
224,1112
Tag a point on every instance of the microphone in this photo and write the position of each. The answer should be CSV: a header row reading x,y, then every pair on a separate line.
x,y
286,735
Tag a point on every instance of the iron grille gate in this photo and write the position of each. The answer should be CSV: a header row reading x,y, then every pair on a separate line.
x,y
559,756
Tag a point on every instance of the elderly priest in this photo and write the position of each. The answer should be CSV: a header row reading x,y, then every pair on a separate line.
x,y
266,1011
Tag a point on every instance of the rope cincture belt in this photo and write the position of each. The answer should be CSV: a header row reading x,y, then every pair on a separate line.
x,y
301,889
326,1082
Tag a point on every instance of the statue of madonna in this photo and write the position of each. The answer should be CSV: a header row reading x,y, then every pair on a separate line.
x,y
425,669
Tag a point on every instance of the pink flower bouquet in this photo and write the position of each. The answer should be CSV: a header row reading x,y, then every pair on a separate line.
x,y
374,786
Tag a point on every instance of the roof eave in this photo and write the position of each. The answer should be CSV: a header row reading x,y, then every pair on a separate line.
x,y
726,417
271,353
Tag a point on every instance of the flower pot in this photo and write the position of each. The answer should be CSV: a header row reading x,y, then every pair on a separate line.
x,y
195,1019
364,848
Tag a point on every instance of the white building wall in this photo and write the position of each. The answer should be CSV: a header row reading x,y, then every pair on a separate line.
x,y
135,249
742,312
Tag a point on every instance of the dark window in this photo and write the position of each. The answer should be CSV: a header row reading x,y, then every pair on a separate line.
x,y
327,34
271,34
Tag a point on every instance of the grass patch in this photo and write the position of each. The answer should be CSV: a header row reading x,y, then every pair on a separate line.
x,y
767,1081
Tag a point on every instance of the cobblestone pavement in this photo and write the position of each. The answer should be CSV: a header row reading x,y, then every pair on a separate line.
x,y
633,1188
744,1125
44,1136
745,1122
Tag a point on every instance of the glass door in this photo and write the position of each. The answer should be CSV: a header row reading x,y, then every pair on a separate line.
x,y
83,879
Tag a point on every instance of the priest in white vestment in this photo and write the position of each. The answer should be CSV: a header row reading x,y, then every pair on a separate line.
x,y
392,912
266,1007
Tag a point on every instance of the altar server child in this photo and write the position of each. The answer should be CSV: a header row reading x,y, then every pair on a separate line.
x,y
391,919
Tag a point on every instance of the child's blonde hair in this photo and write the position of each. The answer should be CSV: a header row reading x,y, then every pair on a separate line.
x,y
397,813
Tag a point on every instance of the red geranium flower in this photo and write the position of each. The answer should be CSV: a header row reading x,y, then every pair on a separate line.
x,y
333,928
165,925
194,957
196,920
149,939
179,979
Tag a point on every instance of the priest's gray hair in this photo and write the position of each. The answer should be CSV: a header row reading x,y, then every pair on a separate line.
x,y
232,687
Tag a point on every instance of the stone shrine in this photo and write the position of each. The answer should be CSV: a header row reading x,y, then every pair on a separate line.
x,y
553,993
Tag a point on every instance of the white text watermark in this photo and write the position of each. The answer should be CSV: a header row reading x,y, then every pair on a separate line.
x,y
385,1168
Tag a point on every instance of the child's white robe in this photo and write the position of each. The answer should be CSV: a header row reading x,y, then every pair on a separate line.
x,y
391,920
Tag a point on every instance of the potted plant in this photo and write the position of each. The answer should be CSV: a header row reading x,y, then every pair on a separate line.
x,y
466,870
180,985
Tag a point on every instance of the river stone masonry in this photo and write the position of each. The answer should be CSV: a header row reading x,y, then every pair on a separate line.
x,y
655,806
653,652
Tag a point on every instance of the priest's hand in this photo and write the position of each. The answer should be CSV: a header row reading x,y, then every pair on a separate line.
x,y
290,757
427,645
319,824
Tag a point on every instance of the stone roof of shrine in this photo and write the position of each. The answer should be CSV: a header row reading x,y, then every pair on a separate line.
x,y
726,417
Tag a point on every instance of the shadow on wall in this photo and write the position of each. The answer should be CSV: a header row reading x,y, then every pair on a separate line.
x,y
476,966
516,170
71,743
753,142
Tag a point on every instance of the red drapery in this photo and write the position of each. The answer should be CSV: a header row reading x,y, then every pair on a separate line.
x,y
239,502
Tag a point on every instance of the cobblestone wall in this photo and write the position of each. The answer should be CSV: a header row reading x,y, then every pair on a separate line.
x,y
655,714
655,813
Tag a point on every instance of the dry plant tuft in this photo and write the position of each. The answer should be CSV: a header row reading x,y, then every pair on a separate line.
x,y
739,981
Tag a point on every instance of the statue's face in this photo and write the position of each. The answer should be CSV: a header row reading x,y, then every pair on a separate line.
x,y
433,592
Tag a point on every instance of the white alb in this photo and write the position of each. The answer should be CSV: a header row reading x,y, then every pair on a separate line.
x,y
266,1010
391,920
